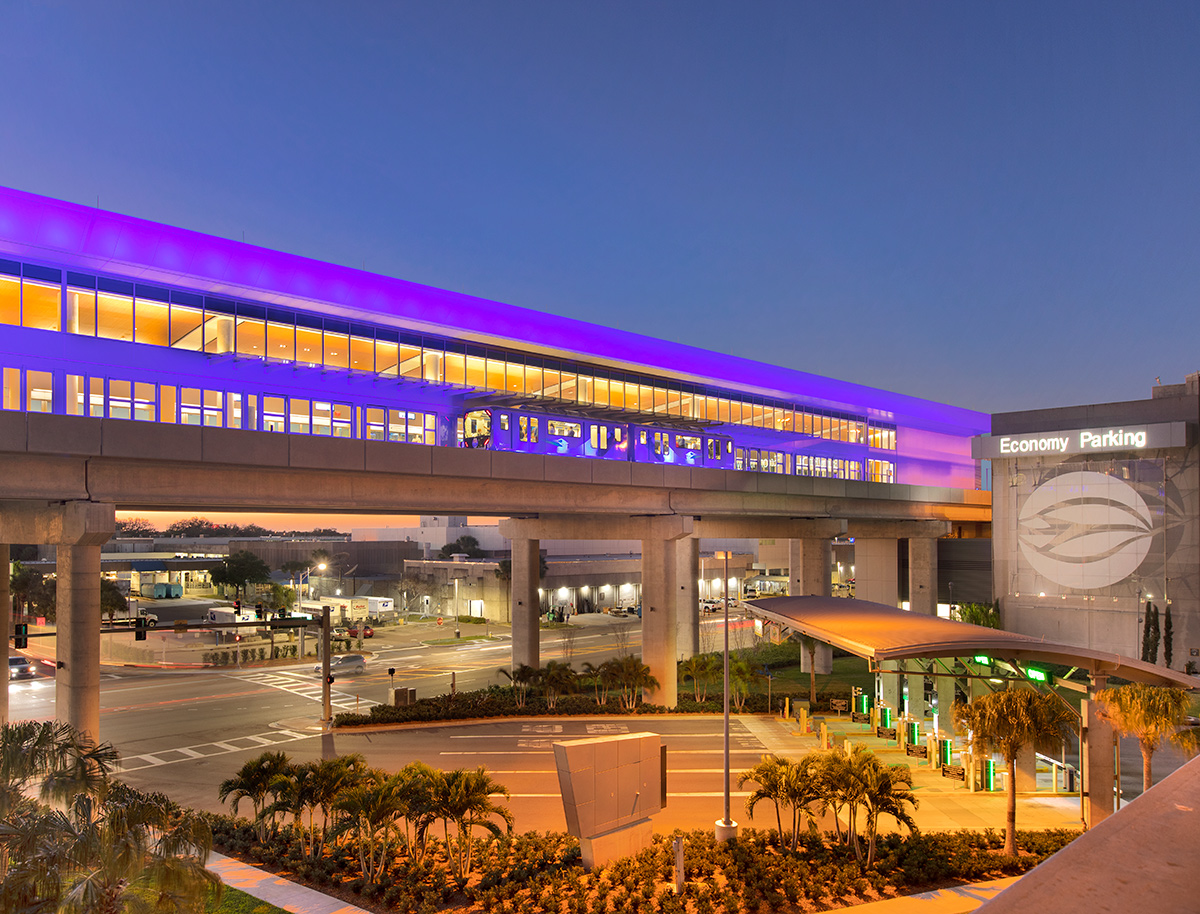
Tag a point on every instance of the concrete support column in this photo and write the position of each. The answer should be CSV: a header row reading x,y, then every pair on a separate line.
x,y
526,562
922,575
76,688
658,617
945,697
876,571
1098,770
890,686
810,567
821,660
916,689
687,605
5,623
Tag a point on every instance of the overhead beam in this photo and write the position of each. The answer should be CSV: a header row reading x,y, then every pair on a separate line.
x,y
781,528
596,527
888,529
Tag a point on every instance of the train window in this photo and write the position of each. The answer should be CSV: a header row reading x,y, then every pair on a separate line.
x,y
617,434
566,429
604,437
641,436
533,431
687,442
504,421
523,428
594,435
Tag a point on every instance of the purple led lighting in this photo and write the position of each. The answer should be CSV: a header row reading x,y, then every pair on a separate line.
x,y
82,237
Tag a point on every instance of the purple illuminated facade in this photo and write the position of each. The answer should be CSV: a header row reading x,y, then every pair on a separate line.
x,y
107,315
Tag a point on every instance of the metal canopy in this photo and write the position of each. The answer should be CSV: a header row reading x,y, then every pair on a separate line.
x,y
878,633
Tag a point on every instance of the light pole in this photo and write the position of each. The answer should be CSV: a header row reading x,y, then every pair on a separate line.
x,y
326,699
726,829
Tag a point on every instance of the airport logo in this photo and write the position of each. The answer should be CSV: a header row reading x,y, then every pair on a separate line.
x,y
1085,530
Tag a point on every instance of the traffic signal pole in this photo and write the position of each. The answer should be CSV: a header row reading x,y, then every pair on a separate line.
x,y
326,678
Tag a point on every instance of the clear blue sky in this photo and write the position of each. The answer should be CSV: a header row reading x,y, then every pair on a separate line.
x,y
994,205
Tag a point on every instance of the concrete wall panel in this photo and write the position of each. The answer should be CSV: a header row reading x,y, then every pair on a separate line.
x,y
775,483
567,469
456,461
389,457
518,466
316,452
222,445
646,474
608,472
677,477
127,438
708,478
13,432
64,434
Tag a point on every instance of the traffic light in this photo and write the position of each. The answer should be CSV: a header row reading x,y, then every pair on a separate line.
x,y
21,635
237,605
139,629
258,611
330,678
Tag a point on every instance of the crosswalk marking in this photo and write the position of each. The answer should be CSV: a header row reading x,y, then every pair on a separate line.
x,y
305,688
162,757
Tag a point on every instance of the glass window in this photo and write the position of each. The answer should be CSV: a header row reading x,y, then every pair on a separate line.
x,y
322,418
76,404
337,350
152,323
514,375
274,414
12,388
39,392
41,306
214,408
298,423
281,342
251,417
376,424
551,382
533,380
566,385
81,310
495,374
660,400
114,316
601,395
566,429
456,368
308,346
432,358
166,403
397,425
362,354
477,372
410,360
251,337
189,406
594,435
186,330
10,300
233,411
387,357
143,399
96,397
218,333
120,400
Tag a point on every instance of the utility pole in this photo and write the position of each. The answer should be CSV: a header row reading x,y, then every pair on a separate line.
x,y
726,828
327,701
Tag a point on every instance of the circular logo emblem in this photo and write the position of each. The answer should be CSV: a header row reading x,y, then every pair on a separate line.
x,y
1085,530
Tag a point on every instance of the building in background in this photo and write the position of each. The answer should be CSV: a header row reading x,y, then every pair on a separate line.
x,y
1096,516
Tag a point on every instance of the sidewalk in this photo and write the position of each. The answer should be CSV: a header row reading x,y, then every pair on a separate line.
x,y
277,891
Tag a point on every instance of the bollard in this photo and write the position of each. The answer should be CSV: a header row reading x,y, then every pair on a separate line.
x,y
824,735
679,866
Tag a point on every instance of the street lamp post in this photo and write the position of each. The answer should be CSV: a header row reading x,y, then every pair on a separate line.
x,y
326,698
726,829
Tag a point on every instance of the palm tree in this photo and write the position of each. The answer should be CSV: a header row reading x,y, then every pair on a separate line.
x,y
55,756
741,677
255,780
419,806
699,668
523,677
768,775
558,679
631,676
465,798
370,808
831,770
1006,722
880,790
330,777
1152,714
295,792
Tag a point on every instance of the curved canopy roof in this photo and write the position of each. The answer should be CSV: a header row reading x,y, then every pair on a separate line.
x,y
880,632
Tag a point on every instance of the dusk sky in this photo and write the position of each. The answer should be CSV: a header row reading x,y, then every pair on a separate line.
x,y
991,205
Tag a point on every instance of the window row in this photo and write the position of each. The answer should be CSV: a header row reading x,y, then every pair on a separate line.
x,y
114,398
120,310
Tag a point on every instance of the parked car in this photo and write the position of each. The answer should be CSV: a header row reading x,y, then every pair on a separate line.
x,y
367,631
20,668
345,663
340,632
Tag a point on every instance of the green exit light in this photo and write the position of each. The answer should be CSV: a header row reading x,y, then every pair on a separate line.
x,y
984,659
